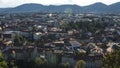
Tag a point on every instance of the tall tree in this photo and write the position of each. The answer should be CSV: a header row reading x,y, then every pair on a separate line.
x,y
3,63
112,60
80,64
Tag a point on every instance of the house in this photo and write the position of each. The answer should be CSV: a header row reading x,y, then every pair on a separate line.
x,y
112,47
37,35
9,35
74,44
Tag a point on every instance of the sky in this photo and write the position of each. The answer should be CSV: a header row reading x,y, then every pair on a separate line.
x,y
14,3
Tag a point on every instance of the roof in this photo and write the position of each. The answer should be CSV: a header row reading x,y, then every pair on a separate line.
x,y
74,43
7,35
59,42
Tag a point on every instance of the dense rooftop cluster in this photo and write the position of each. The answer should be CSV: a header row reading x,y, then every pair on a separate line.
x,y
59,37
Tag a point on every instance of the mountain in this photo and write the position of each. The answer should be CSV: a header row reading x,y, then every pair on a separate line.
x,y
43,8
96,7
93,8
114,8
28,8
4,9
63,8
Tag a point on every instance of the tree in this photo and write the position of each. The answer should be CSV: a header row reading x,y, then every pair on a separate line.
x,y
40,62
12,64
18,41
81,55
112,60
1,55
65,65
64,26
80,64
3,63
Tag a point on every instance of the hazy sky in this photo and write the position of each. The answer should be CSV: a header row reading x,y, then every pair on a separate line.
x,y
13,3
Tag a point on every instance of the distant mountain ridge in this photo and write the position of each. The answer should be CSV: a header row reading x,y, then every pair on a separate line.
x,y
93,8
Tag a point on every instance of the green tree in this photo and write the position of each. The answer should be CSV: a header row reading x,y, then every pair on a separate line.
x,y
64,26
112,60
1,55
65,65
13,64
80,64
3,63
40,62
